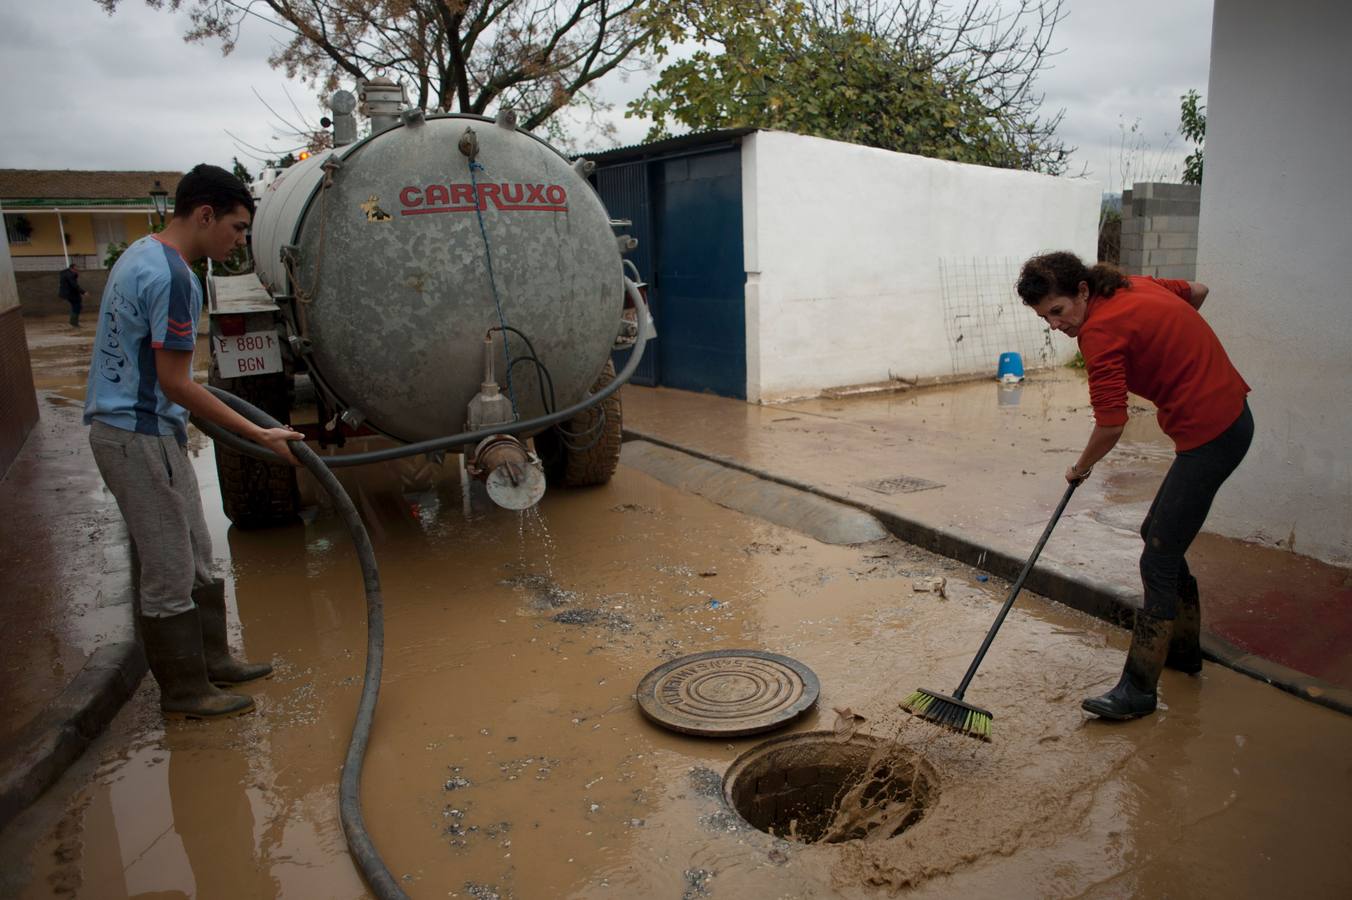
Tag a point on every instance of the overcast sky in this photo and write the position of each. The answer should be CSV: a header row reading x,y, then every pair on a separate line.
x,y
87,91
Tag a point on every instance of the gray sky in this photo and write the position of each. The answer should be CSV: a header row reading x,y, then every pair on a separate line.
x,y
86,91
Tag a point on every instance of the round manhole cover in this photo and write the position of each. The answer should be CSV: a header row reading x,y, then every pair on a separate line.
x,y
726,693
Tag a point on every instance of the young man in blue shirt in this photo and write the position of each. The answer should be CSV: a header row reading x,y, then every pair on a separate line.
x,y
140,395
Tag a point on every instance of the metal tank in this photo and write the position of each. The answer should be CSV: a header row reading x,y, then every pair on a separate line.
x,y
403,250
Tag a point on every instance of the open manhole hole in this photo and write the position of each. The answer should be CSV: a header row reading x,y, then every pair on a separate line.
x,y
814,788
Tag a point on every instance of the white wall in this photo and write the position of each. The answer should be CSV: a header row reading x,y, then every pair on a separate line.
x,y
843,251
1275,244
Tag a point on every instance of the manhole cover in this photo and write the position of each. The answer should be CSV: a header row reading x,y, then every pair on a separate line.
x,y
898,484
726,693
814,788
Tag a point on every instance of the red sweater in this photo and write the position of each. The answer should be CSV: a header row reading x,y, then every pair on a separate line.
x,y
1147,340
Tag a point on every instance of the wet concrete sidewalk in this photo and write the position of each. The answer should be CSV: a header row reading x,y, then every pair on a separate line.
x,y
975,470
70,657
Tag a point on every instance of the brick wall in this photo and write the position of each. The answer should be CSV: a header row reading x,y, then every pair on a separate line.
x,y
1159,229
18,403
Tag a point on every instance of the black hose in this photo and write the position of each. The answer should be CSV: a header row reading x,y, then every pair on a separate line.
x,y
239,444
378,877
373,869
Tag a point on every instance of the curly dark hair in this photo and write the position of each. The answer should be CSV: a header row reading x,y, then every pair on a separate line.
x,y
1061,272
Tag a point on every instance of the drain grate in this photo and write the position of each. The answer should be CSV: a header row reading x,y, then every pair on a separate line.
x,y
899,484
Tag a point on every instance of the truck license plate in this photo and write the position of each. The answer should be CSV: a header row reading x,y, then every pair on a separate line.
x,y
251,353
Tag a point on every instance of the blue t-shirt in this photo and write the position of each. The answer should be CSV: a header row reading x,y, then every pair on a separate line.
x,y
152,301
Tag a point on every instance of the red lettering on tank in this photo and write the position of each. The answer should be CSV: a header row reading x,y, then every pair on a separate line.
x,y
505,196
487,191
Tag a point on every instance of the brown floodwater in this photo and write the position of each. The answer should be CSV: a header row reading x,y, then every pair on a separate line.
x,y
509,758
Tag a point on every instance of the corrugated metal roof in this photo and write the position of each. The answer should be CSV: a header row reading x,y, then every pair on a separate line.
x,y
666,146
81,186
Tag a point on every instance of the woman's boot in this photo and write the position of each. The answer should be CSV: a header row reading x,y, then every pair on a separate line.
x,y
174,650
1185,647
222,668
1134,695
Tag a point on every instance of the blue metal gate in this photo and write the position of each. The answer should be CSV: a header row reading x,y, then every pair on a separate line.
x,y
700,272
624,190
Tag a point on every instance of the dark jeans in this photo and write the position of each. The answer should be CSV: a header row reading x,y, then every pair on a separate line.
x,y
1180,508
75,307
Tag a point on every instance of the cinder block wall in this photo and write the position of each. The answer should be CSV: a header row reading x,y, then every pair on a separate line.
x,y
1159,229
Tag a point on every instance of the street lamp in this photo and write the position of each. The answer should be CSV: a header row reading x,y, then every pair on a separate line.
x,y
160,197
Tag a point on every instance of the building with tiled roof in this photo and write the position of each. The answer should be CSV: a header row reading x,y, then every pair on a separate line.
x,y
54,217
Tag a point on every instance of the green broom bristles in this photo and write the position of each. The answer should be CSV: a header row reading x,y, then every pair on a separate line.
x,y
949,713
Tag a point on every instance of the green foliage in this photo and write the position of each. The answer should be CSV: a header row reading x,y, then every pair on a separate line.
x,y
240,172
854,71
1193,125
1077,362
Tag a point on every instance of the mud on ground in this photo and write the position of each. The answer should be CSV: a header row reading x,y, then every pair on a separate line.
x,y
509,759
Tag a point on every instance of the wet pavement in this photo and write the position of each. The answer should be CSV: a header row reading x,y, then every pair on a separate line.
x,y
984,462
509,758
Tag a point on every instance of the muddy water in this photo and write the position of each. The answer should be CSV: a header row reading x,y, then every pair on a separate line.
x,y
509,759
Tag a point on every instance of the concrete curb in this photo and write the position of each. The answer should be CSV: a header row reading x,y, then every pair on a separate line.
x,y
40,753
1111,605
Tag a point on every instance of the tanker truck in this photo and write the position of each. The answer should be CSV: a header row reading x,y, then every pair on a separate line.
x,y
446,274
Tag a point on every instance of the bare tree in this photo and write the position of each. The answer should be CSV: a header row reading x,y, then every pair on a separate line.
x,y
536,56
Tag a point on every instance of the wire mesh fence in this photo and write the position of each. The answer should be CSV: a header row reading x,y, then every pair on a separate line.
x,y
984,317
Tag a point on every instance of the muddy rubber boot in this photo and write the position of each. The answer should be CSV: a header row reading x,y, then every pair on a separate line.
x,y
174,651
222,668
1185,648
1134,695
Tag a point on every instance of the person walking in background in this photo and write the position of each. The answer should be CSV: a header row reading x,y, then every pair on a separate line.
x,y
70,291
140,394
1146,336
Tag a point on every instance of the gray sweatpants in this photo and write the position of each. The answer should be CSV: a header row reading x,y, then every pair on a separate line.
x,y
156,490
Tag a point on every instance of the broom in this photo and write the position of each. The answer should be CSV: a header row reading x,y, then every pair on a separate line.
x,y
953,712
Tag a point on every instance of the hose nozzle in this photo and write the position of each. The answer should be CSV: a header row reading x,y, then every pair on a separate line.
x,y
513,475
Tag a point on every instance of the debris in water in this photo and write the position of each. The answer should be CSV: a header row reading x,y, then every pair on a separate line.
x,y
482,891
713,603
935,585
847,722
698,880
457,783
709,573
983,578
706,782
601,617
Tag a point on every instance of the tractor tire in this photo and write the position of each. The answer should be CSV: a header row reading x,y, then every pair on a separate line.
x,y
567,467
256,494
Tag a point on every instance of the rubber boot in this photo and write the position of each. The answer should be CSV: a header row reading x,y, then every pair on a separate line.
x,y
222,668
1185,647
1134,695
174,651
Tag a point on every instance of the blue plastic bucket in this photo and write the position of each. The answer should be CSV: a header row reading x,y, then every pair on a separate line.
x,y
1010,368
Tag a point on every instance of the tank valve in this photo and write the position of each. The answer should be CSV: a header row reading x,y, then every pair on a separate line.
x,y
489,407
513,475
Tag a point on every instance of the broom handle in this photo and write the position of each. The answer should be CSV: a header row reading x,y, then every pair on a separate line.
x,y
1014,592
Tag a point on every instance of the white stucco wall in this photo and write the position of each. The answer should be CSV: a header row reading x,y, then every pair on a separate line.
x,y
1275,243
843,252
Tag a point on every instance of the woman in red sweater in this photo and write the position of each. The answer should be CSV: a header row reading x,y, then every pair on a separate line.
x,y
1145,335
